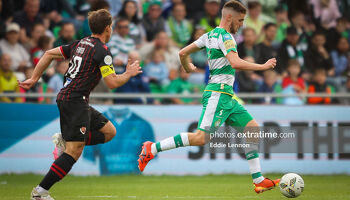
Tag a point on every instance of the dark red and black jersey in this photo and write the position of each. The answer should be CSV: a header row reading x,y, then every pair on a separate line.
x,y
86,57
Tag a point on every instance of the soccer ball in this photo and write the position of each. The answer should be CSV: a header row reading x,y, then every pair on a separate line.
x,y
291,185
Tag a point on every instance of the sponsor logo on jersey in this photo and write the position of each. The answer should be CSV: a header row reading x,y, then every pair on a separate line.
x,y
80,50
227,37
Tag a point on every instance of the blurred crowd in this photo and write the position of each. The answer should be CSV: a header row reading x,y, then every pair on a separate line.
x,y
309,38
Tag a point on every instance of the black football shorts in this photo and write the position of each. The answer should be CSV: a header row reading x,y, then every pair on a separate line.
x,y
77,119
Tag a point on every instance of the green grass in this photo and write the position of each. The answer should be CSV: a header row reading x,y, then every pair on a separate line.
x,y
14,187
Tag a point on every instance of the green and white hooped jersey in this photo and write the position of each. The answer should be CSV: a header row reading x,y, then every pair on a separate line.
x,y
218,44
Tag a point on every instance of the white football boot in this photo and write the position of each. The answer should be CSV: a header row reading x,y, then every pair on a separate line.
x,y
60,145
35,195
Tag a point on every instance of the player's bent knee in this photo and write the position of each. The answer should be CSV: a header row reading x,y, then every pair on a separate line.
x,y
75,149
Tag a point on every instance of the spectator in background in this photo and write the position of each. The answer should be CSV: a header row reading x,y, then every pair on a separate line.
x,y
168,6
136,31
182,86
293,84
194,8
153,22
317,56
27,17
171,53
335,33
247,46
199,59
44,43
325,12
2,23
270,85
67,35
341,57
136,84
282,22
289,50
265,50
8,79
253,21
248,81
11,46
115,6
293,78
121,44
56,81
299,22
318,84
38,30
157,70
179,28
211,17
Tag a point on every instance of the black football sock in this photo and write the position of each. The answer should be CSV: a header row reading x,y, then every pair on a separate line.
x,y
94,137
58,170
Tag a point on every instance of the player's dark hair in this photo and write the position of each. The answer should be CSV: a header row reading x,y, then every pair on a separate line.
x,y
99,20
236,6
268,25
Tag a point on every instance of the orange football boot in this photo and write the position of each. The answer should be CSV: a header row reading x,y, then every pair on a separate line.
x,y
145,155
265,185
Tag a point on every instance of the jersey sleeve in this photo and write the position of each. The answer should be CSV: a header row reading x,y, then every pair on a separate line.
x,y
66,49
200,42
227,43
104,61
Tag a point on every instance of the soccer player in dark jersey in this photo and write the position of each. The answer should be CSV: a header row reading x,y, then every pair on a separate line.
x,y
80,123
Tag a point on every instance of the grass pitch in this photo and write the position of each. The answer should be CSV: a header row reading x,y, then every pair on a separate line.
x,y
13,187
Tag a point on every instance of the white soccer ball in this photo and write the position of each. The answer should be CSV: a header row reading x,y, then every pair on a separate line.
x,y
291,185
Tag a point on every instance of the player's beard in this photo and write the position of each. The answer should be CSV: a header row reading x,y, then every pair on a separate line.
x,y
232,28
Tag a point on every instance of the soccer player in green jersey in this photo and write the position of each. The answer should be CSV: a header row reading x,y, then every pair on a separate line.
x,y
218,104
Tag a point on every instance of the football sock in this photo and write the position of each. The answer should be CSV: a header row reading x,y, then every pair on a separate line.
x,y
58,170
94,137
179,140
252,157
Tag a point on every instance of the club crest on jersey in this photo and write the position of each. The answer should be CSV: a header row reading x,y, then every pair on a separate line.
x,y
83,130
108,60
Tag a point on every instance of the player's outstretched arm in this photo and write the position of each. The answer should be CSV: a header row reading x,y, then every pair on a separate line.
x,y
184,55
113,80
237,63
43,63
